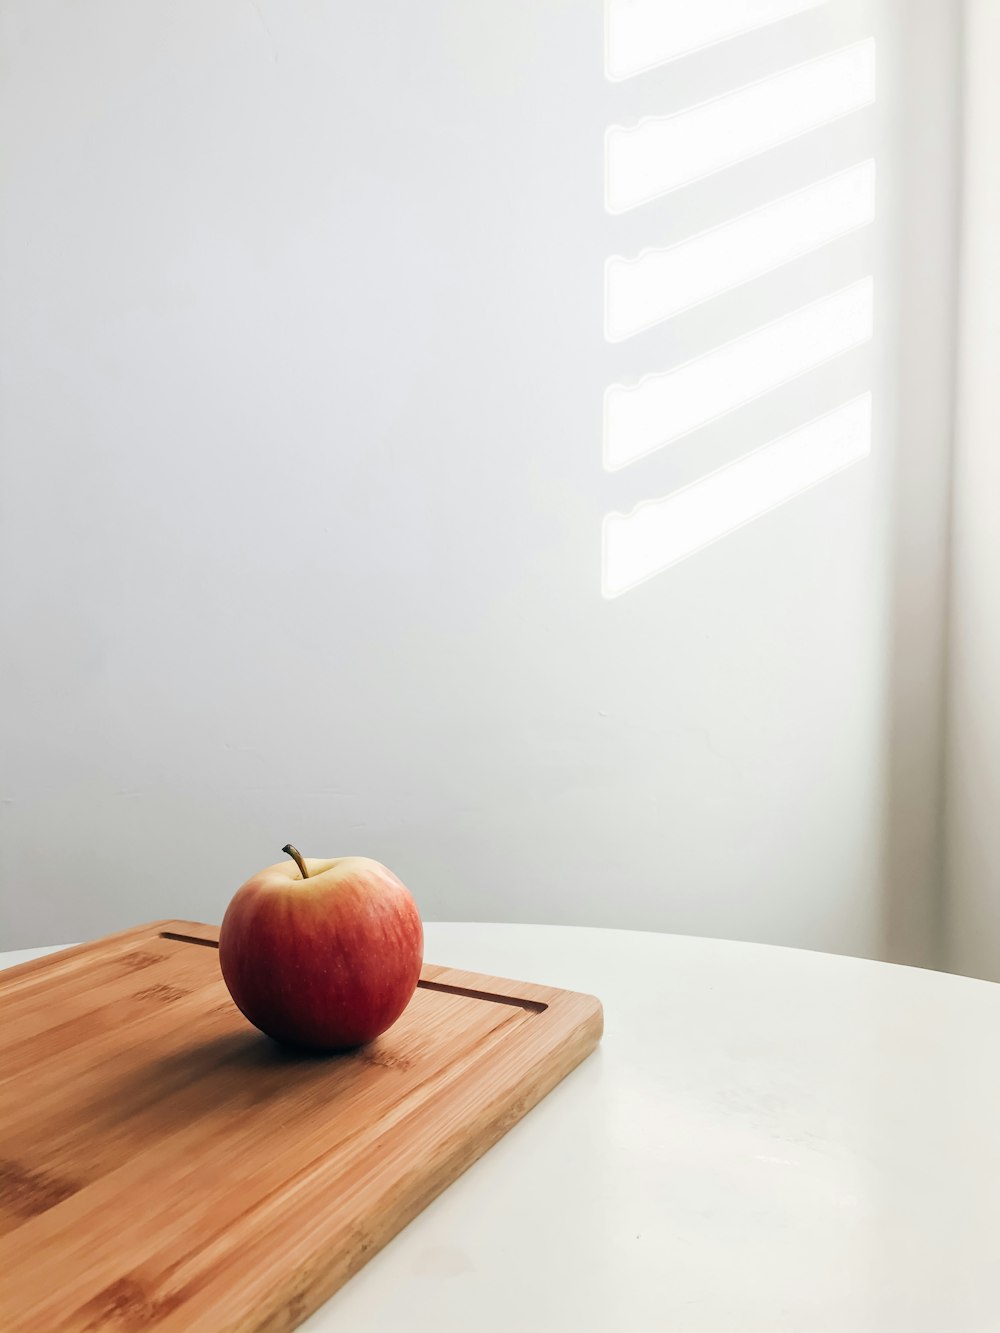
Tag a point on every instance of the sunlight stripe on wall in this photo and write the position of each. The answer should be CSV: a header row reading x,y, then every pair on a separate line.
x,y
641,418
640,34
659,533
658,284
662,153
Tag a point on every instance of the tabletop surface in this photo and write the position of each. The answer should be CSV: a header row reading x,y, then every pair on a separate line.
x,y
766,1139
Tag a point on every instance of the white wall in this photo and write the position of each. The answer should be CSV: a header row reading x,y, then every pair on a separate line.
x,y
973,807
926,151
301,334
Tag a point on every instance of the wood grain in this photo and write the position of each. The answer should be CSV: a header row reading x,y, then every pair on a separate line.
x,y
163,1165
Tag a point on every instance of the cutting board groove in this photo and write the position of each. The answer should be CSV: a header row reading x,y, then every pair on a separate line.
x,y
163,1165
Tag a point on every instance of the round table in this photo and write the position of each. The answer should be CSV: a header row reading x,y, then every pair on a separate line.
x,y
766,1139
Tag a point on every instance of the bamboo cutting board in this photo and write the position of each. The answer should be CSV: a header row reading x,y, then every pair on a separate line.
x,y
163,1165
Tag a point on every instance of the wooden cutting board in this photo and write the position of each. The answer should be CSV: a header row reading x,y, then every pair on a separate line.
x,y
163,1165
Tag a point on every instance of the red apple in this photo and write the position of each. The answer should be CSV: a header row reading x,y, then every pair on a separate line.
x,y
322,954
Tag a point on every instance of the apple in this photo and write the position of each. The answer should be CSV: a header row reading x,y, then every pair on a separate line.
x,y
322,954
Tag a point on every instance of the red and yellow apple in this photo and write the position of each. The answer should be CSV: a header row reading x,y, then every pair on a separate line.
x,y
322,954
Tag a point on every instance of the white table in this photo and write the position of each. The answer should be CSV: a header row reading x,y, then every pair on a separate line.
x,y
766,1140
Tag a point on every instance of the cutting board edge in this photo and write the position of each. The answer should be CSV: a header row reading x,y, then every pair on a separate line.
x,y
530,991
9,976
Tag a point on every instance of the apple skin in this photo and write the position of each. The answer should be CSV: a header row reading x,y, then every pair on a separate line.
x,y
327,962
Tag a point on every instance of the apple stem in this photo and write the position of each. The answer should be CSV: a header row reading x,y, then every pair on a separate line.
x,y
296,856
